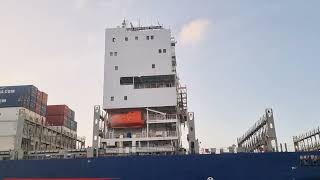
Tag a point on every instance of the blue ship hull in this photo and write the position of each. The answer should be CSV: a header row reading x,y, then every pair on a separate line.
x,y
269,166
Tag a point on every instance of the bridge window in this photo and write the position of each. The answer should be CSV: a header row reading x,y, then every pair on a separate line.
x,y
126,81
161,81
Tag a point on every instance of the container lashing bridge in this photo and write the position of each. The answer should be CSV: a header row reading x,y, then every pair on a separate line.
x,y
261,137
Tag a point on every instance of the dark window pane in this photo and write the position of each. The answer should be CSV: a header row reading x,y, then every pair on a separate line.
x,y
126,80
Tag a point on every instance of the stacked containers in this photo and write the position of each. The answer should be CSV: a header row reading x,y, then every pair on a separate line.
x,y
27,96
73,123
39,101
43,108
61,115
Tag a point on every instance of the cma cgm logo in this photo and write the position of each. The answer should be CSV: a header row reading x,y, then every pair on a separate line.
x,y
7,91
3,101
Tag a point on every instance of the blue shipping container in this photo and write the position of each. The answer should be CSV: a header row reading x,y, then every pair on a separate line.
x,y
20,96
73,125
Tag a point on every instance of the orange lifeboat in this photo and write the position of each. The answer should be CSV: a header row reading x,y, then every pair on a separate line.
x,y
131,119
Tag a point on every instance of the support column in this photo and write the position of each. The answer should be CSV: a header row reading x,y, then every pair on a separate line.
x,y
96,120
193,142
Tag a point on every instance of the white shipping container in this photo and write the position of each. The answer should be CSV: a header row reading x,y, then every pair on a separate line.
x,y
9,124
8,127
6,143
11,113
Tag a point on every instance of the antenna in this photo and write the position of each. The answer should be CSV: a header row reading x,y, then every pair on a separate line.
x,y
124,23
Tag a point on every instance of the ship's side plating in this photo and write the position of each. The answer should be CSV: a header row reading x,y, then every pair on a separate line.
x,y
248,166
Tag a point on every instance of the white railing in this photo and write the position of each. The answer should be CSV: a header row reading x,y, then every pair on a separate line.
x,y
155,149
151,134
154,85
159,117
309,134
163,134
129,150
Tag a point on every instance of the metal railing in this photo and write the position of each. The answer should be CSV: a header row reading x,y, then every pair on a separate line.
x,y
144,135
153,85
162,117
127,150
306,135
163,134
309,141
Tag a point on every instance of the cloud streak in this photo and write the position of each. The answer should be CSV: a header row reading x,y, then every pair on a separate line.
x,y
194,31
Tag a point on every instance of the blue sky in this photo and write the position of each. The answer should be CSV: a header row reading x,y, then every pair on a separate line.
x,y
241,57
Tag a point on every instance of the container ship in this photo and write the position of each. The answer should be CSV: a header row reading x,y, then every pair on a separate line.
x,y
137,132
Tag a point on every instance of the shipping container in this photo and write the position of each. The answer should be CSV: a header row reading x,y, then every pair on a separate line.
x,y
72,115
73,125
62,111
43,110
38,108
39,97
57,120
9,125
58,110
44,98
21,96
68,123
131,119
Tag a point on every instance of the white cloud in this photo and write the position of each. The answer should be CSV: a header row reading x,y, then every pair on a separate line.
x,y
194,31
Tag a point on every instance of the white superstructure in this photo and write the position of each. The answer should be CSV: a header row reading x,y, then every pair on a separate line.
x,y
143,100
131,55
